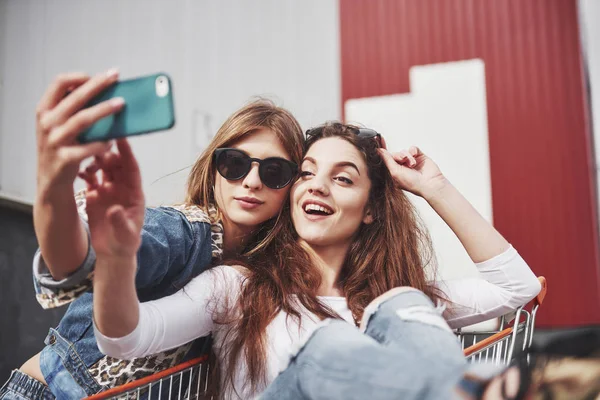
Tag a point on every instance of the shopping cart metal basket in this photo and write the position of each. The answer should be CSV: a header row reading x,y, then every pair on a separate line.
x,y
515,329
189,380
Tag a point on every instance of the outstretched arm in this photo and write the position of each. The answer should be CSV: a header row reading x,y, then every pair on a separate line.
x,y
171,321
115,207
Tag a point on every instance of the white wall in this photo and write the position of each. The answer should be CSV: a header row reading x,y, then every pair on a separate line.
x,y
445,115
218,53
589,23
3,55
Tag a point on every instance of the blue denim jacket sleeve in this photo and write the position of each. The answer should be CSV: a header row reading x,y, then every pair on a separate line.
x,y
51,293
176,246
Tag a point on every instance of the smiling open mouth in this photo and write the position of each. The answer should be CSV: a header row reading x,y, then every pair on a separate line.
x,y
315,209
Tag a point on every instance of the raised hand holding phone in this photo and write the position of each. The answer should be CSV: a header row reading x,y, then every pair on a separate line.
x,y
76,119
60,118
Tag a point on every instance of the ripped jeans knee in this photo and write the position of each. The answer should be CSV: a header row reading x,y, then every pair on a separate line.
x,y
404,332
401,310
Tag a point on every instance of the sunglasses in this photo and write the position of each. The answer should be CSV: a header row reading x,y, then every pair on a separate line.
x,y
274,172
360,132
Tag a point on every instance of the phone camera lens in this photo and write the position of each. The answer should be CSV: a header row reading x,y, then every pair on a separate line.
x,y
162,86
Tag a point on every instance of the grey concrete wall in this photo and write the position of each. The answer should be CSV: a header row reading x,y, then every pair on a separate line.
x,y
24,324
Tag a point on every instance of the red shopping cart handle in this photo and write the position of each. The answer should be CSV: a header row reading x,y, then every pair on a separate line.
x,y
539,299
148,379
487,341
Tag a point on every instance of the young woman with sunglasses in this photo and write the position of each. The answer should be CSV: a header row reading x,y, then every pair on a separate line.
x,y
220,219
352,236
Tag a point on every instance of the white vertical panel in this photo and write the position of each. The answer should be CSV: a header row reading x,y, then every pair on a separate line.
x,y
3,55
589,17
445,115
219,54
22,82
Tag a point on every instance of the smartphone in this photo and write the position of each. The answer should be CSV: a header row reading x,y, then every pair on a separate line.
x,y
148,108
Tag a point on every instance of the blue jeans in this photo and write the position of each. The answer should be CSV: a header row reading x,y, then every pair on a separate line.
x,y
406,352
21,386
65,372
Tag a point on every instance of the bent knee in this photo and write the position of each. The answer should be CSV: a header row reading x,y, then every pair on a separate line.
x,y
408,304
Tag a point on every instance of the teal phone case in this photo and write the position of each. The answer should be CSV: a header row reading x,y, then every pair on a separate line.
x,y
147,109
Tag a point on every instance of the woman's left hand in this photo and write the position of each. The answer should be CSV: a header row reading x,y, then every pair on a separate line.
x,y
414,171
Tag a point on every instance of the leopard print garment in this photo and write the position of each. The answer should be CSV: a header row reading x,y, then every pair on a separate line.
x,y
60,297
110,372
196,214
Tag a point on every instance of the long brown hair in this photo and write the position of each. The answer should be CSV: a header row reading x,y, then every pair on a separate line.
x,y
258,114
392,251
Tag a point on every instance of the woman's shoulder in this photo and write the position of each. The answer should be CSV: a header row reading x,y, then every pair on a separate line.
x,y
189,212
186,216
238,271
219,279
223,273
196,213
186,230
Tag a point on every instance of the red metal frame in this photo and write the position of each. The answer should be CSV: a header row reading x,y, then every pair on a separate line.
x,y
542,164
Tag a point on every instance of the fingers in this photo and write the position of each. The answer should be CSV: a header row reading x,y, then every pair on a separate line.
x,y
112,164
405,158
91,198
98,192
414,151
78,99
388,159
382,142
128,159
76,154
90,177
58,89
129,165
68,132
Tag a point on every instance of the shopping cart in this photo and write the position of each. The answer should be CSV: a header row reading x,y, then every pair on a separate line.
x,y
498,346
189,380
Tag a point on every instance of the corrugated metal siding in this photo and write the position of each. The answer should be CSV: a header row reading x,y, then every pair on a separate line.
x,y
540,149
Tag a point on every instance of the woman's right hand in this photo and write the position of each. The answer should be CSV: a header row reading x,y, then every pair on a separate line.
x,y
115,203
60,118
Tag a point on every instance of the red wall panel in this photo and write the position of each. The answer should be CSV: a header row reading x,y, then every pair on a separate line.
x,y
541,159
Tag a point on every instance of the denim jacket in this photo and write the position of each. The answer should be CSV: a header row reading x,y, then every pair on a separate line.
x,y
178,243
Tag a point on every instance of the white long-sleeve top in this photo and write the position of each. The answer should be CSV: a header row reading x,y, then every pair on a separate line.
x,y
505,283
